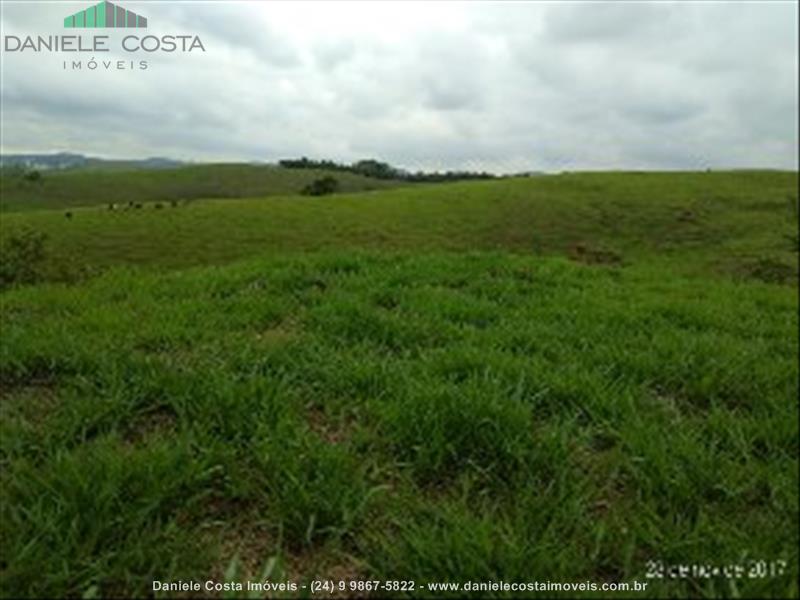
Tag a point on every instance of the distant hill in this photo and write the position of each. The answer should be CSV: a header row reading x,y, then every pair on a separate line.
x,y
68,160
89,185
731,222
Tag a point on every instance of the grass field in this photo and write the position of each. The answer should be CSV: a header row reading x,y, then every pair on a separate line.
x,y
95,186
561,378
702,222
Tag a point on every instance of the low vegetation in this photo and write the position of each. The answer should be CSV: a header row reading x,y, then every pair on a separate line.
x,y
703,223
558,378
23,257
58,189
322,187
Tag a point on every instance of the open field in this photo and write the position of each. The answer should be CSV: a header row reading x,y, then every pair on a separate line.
x,y
100,186
558,378
726,222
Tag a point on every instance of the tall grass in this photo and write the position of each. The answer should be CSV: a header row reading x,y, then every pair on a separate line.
x,y
440,416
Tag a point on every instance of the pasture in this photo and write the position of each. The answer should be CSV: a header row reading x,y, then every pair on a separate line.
x,y
560,378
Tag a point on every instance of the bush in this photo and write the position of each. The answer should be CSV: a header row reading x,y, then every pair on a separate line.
x,y
22,257
33,176
321,187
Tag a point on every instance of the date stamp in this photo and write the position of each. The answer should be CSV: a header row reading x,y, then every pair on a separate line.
x,y
748,569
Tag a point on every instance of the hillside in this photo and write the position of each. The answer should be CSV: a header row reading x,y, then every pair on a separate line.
x,y
733,223
94,186
562,378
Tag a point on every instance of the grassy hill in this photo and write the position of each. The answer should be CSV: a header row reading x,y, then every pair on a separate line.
x,y
735,223
103,185
563,378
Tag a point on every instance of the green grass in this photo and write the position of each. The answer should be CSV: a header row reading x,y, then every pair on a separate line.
x,y
553,379
92,186
704,222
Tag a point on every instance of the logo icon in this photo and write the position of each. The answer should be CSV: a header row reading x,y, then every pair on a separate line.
x,y
105,14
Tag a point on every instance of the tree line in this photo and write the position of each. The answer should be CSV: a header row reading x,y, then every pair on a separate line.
x,y
382,170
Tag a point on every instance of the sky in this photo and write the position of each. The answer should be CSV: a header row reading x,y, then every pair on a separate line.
x,y
503,87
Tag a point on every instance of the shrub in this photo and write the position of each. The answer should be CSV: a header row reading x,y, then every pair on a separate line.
x,y
22,257
322,187
33,176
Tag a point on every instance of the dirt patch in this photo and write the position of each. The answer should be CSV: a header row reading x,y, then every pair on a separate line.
x,y
282,332
668,404
246,553
321,424
247,546
339,569
770,270
37,386
249,550
589,255
156,423
32,401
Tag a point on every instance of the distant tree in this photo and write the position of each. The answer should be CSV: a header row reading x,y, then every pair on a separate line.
x,y
33,176
376,169
380,170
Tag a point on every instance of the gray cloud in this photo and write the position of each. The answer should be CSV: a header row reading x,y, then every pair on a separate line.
x,y
436,85
614,22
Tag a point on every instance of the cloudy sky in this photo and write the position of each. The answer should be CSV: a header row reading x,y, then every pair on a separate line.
x,y
481,85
